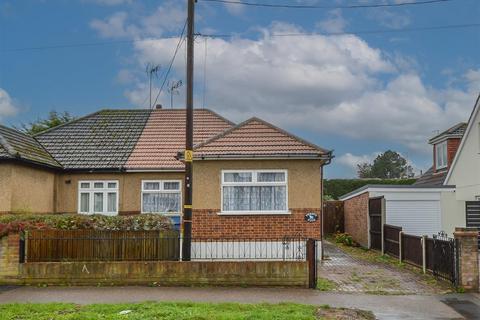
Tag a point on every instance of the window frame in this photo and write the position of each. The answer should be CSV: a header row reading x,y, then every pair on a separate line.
x,y
254,183
442,146
162,190
91,196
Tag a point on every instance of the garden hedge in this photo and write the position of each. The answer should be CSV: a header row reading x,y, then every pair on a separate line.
x,y
334,188
21,222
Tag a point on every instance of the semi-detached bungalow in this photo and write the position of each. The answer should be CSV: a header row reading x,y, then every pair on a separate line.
x,y
250,180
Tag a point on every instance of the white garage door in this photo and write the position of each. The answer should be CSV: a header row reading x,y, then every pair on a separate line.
x,y
417,217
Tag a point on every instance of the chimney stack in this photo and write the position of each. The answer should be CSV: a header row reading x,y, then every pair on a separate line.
x,y
158,107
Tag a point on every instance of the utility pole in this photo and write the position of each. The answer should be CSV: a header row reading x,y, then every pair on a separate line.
x,y
187,205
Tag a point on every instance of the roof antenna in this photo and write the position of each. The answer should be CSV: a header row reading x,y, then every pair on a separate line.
x,y
151,70
173,90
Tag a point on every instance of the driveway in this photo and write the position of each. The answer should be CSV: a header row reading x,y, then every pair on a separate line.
x,y
356,275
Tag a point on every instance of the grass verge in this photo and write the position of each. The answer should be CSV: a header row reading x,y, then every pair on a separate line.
x,y
181,310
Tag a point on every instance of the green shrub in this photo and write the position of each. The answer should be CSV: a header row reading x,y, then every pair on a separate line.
x,y
334,188
345,239
16,223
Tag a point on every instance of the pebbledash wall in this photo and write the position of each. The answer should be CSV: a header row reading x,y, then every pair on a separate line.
x,y
36,190
356,218
304,195
129,192
26,189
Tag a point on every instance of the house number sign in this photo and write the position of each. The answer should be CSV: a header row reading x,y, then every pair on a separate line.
x,y
311,217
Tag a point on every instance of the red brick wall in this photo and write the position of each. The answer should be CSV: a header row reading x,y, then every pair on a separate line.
x,y
356,218
208,224
452,147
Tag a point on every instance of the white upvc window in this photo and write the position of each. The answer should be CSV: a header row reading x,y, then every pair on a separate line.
x,y
441,155
254,191
98,197
162,196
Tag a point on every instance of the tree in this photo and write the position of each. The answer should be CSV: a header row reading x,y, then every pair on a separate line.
x,y
388,165
54,119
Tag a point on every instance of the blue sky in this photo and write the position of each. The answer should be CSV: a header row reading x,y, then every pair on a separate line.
x,y
358,94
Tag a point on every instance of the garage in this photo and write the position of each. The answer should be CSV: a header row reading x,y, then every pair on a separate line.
x,y
418,210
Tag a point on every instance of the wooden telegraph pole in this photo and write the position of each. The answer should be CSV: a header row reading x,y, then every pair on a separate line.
x,y
187,205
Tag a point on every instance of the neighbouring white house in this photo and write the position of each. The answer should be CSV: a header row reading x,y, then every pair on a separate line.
x,y
464,173
445,197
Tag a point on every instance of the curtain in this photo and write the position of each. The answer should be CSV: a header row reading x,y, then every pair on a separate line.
x,y
98,202
161,202
84,202
112,202
254,198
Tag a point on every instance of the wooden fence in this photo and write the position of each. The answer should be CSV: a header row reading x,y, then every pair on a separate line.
x,y
333,217
95,245
391,240
438,254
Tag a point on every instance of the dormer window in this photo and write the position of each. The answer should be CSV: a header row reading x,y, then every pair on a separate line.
x,y
441,155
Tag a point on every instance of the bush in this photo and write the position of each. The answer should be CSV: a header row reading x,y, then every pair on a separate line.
x,y
334,188
16,223
345,238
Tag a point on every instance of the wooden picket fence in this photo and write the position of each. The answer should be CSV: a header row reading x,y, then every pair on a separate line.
x,y
96,245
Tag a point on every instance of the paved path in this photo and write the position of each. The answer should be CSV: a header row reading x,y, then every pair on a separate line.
x,y
359,276
385,307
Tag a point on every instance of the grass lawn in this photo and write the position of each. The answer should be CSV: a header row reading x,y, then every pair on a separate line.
x,y
171,310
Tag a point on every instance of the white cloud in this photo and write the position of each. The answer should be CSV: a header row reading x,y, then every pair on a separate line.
x,y
170,16
335,23
235,9
325,84
351,161
115,26
7,105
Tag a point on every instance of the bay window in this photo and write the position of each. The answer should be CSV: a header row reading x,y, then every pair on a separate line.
x,y
162,196
98,197
441,155
254,191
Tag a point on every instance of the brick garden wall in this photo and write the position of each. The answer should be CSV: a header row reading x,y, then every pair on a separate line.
x,y
223,273
9,256
207,223
356,218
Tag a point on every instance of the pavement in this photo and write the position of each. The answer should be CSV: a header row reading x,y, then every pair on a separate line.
x,y
420,307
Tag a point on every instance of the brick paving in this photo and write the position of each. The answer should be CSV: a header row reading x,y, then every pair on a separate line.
x,y
354,275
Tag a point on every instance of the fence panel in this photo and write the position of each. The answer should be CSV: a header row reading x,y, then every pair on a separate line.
x,y
391,236
96,245
333,217
412,251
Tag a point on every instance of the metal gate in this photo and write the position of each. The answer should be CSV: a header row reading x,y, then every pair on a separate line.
x,y
445,258
375,219
473,216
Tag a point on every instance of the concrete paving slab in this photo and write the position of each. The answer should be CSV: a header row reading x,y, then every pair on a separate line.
x,y
421,307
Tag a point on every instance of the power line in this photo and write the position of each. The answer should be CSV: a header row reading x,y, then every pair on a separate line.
x,y
180,40
84,44
355,6
303,34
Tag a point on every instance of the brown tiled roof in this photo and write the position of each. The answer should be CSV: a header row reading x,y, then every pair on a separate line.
x,y
256,138
164,136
